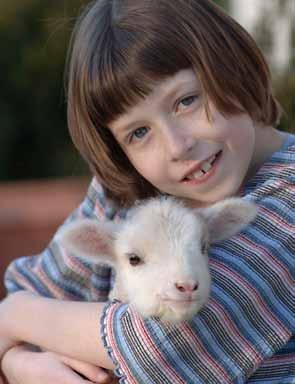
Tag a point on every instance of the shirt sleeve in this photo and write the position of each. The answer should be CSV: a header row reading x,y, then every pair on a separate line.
x,y
250,314
55,272
280,368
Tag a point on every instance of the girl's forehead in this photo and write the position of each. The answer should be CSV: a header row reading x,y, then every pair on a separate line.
x,y
160,91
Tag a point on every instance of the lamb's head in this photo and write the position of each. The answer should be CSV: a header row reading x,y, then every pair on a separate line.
x,y
160,252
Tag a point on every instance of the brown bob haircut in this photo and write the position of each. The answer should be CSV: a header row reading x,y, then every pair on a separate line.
x,y
121,47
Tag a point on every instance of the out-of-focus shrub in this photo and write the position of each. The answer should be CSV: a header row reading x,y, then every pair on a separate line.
x,y
34,141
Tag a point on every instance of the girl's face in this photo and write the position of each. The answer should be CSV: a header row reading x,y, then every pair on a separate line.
x,y
170,141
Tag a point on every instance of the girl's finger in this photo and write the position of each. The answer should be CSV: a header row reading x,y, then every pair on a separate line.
x,y
70,377
61,375
90,371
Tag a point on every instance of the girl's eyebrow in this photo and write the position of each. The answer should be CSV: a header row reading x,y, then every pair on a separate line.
x,y
120,129
169,90
173,89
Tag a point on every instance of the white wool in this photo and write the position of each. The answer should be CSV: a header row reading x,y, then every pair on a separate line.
x,y
172,279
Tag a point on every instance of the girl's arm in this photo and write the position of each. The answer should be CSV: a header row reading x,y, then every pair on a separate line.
x,y
249,318
55,273
67,327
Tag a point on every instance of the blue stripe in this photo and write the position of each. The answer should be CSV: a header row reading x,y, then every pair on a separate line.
x,y
243,268
170,353
33,280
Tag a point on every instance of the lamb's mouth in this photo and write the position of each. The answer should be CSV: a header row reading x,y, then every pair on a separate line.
x,y
180,303
205,167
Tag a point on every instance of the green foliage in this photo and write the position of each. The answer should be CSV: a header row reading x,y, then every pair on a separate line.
x,y
34,140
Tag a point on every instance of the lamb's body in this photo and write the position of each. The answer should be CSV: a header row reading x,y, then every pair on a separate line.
x,y
160,252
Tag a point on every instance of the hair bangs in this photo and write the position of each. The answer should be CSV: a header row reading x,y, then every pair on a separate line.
x,y
114,87
134,61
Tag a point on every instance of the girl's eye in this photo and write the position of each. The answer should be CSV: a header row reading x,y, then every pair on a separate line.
x,y
187,101
139,133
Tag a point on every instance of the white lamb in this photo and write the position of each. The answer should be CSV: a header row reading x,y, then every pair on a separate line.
x,y
160,252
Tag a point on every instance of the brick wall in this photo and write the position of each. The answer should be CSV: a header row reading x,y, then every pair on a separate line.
x,y
30,213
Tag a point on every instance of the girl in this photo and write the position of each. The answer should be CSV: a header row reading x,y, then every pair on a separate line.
x,y
168,97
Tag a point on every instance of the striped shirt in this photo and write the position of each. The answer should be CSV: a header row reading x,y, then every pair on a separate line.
x,y
245,334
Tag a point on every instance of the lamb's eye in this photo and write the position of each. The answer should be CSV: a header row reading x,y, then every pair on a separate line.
x,y
134,260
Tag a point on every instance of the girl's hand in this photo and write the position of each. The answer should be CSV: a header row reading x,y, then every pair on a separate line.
x,y
23,366
54,325
5,345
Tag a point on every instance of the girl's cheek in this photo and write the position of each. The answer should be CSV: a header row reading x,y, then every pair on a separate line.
x,y
234,128
143,162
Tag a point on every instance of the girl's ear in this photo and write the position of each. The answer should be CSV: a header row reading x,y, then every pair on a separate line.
x,y
228,217
90,240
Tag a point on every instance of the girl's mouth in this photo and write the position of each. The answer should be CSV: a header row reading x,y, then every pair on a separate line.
x,y
206,170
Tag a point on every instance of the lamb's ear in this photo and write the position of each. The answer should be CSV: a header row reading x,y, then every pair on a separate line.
x,y
90,240
228,217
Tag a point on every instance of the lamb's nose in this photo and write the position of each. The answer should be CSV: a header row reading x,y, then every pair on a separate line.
x,y
187,286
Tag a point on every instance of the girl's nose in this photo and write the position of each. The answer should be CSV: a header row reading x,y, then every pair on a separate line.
x,y
179,143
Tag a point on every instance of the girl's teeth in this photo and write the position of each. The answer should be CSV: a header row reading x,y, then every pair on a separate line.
x,y
196,175
212,158
206,166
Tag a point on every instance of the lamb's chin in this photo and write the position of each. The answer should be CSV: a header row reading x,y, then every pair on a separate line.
x,y
175,315
167,313
157,310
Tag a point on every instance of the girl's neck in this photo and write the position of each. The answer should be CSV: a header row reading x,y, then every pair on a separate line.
x,y
268,140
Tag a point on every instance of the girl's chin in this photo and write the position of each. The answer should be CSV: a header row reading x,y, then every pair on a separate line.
x,y
195,200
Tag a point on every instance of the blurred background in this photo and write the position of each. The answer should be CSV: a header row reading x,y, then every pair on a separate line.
x,y
42,178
